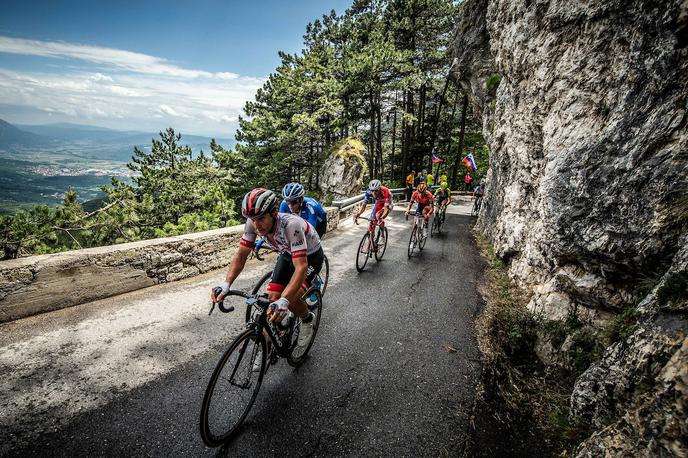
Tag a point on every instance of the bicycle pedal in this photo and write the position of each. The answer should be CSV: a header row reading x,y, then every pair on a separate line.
x,y
273,358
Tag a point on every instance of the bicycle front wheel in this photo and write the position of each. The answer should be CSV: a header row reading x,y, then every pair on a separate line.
x,y
412,241
381,243
423,238
363,252
233,388
435,228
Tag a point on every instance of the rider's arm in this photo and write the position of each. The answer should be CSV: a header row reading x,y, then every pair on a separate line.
x,y
291,292
361,209
284,207
311,215
413,199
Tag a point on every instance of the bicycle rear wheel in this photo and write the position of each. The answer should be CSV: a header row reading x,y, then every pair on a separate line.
x,y
324,275
412,241
233,388
299,352
381,243
363,252
260,288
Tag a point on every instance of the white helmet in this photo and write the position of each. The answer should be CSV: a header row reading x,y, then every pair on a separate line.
x,y
374,185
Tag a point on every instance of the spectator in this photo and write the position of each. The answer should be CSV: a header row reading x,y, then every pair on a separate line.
x,y
429,179
467,180
409,184
418,179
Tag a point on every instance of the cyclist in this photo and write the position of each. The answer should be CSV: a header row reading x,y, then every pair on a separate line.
x,y
423,198
478,194
443,196
383,201
300,259
308,208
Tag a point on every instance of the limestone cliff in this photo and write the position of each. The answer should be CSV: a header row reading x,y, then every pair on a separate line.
x,y
584,109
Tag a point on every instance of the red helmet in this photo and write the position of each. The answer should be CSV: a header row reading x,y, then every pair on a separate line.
x,y
258,202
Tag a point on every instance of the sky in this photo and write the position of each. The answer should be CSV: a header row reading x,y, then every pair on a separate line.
x,y
145,65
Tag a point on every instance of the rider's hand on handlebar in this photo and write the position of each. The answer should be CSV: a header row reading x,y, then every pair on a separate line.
x,y
279,309
218,293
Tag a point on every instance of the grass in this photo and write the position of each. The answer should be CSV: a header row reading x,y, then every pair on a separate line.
x,y
529,391
492,82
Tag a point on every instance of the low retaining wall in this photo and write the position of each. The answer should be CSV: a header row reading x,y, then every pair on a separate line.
x,y
43,283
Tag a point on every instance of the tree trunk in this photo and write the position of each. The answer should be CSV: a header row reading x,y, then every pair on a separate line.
x,y
461,138
378,109
438,110
394,137
371,132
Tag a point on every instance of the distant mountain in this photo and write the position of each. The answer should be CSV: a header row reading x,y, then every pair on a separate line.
x,y
12,137
78,132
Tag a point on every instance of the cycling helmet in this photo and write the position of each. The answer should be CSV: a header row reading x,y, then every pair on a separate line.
x,y
374,185
422,187
292,191
443,185
258,202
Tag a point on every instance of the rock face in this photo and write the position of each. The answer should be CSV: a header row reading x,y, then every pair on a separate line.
x,y
343,172
584,109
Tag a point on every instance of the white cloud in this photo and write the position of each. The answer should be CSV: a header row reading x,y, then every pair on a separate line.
x,y
133,91
132,61
165,109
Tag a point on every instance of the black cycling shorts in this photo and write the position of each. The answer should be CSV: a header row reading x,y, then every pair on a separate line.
x,y
284,270
419,208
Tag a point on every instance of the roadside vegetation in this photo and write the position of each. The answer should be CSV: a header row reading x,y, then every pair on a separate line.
x,y
379,71
523,407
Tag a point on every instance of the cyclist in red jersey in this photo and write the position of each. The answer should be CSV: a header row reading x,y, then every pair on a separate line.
x,y
383,201
424,199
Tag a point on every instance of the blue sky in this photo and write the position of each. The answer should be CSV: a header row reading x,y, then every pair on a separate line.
x,y
144,65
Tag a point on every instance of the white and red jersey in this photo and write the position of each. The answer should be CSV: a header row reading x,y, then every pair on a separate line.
x,y
385,199
292,235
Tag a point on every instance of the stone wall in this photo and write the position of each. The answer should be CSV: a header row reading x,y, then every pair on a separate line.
x,y
584,106
38,284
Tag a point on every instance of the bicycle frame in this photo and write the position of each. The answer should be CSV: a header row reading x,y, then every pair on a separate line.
x,y
259,323
371,229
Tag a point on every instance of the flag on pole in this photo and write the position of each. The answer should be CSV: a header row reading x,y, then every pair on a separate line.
x,y
470,162
435,159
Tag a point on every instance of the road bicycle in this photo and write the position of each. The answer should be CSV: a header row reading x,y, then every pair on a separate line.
x,y
320,280
477,202
236,380
418,234
373,242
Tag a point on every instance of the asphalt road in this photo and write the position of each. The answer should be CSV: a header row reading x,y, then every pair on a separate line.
x,y
392,372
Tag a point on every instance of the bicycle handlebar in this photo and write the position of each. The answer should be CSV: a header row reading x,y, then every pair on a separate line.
x,y
250,298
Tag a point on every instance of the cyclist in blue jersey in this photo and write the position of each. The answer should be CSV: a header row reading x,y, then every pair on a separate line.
x,y
308,208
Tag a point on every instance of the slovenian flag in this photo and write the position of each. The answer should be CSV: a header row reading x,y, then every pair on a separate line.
x,y
435,159
470,162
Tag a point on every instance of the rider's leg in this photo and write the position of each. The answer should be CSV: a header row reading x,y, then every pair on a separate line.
x,y
281,276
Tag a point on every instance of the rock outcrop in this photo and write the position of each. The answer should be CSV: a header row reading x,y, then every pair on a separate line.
x,y
343,172
584,106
